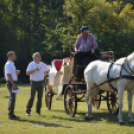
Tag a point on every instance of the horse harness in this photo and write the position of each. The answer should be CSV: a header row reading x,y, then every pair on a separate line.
x,y
130,71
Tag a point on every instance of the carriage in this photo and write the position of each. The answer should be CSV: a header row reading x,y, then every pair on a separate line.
x,y
62,81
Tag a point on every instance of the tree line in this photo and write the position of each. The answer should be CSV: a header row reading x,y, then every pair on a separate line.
x,y
51,27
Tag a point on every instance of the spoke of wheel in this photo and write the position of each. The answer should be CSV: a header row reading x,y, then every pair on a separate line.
x,y
114,106
72,109
48,101
72,98
110,103
48,86
116,103
110,107
67,107
67,92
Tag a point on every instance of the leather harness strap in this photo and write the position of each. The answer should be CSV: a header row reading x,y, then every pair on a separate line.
x,y
109,80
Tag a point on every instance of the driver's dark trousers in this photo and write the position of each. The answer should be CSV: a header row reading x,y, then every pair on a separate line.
x,y
81,55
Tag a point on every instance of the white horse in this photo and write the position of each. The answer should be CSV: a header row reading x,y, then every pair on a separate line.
x,y
96,73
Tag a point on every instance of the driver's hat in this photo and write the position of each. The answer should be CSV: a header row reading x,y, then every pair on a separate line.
x,y
84,28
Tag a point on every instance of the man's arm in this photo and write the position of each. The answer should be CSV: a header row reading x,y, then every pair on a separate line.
x,y
30,72
93,49
18,72
94,44
77,44
8,69
46,74
11,81
46,69
75,49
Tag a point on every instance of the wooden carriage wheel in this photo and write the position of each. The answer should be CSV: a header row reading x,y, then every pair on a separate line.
x,y
112,102
48,94
97,101
70,101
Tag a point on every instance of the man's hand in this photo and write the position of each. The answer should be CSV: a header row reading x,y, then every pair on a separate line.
x,y
11,80
93,51
15,87
30,72
18,72
75,49
36,69
46,74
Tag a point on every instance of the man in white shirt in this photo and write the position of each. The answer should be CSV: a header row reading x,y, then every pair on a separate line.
x,y
11,75
37,71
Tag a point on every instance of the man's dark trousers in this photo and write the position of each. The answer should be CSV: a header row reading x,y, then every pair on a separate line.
x,y
12,100
81,55
35,86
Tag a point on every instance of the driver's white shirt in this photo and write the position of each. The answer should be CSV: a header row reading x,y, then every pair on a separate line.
x,y
38,75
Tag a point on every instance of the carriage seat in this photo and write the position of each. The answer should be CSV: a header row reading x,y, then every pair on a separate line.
x,y
58,64
80,68
87,60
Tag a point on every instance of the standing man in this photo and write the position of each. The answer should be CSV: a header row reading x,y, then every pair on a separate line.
x,y
11,78
86,45
37,71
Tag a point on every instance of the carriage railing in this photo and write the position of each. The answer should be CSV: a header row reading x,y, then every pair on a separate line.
x,y
108,53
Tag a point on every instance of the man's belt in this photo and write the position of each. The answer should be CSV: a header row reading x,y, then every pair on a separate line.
x,y
10,82
37,81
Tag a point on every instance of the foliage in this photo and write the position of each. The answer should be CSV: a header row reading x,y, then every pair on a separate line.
x,y
28,26
111,22
51,27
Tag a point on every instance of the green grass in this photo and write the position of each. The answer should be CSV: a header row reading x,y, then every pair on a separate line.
x,y
56,121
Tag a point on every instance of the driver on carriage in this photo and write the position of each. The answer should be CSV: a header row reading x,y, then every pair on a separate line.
x,y
85,46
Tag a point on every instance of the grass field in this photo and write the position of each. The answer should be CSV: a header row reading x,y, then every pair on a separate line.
x,y
56,121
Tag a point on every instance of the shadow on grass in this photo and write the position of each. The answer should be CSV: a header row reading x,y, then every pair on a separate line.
x,y
59,111
98,117
6,97
45,124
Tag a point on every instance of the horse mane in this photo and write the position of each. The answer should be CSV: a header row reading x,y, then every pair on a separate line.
x,y
120,59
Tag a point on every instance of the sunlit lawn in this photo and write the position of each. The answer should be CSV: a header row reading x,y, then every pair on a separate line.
x,y
56,121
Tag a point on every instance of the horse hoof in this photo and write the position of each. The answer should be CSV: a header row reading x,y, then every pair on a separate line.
x,y
89,118
122,123
86,118
132,122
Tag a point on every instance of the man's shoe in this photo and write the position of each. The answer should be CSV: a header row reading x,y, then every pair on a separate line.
x,y
38,113
27,114
14,117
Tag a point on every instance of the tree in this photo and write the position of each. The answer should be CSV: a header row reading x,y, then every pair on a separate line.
x,y
111,22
